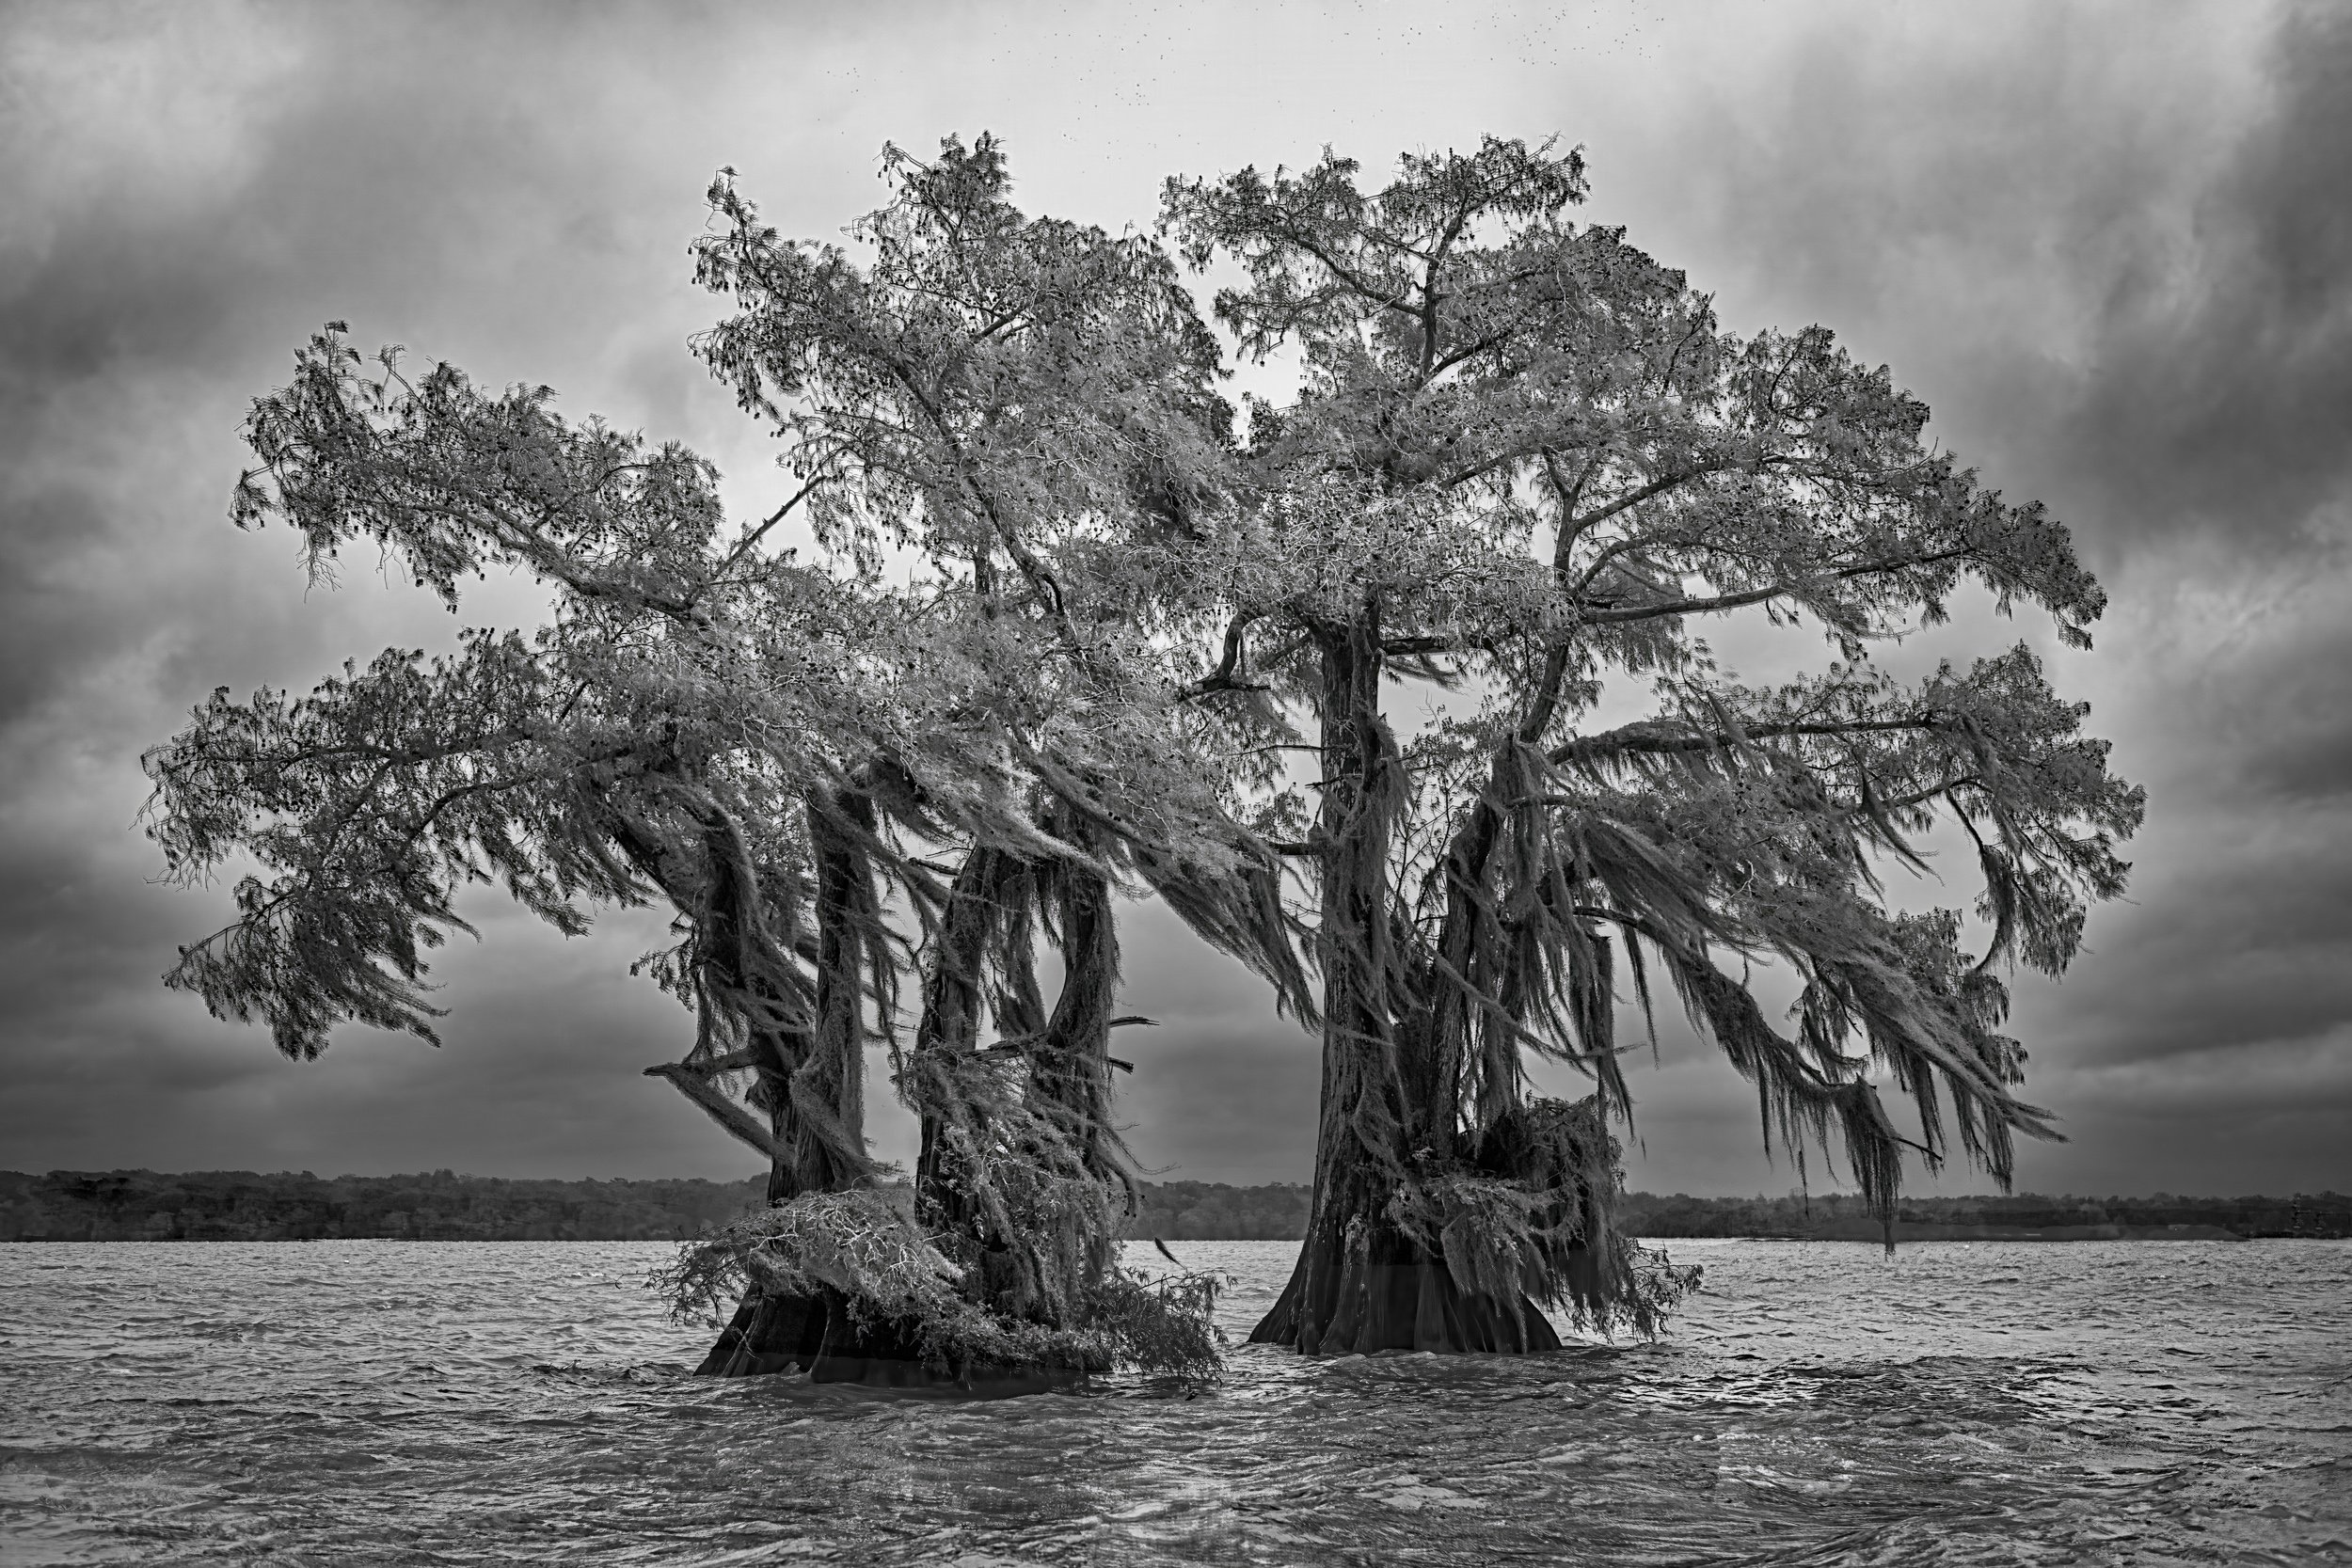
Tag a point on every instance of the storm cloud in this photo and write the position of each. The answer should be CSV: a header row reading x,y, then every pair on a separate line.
x,y
2108,245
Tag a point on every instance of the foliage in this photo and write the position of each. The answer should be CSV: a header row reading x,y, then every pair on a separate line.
x,y
1161,1324
860,1243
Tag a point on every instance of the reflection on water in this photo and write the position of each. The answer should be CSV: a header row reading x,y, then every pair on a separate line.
x,y
359,1402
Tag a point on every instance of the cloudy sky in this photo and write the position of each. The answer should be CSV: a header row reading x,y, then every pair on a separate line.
x,y
2111,247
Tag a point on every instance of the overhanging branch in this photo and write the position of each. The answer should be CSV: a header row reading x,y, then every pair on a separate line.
x,y
714,1104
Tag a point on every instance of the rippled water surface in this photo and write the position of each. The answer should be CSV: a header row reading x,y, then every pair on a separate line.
x,y
356,1402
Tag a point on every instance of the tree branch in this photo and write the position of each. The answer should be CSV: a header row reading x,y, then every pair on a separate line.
x,y
1651,739
1758,595
1635,497
1223,677
744,548
738,1122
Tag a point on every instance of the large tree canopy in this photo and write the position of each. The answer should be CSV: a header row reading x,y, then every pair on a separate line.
x,y
785,754
1526,466
1066,625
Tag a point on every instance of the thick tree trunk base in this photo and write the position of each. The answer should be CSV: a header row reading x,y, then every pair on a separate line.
x,y
817,1335
1408,1305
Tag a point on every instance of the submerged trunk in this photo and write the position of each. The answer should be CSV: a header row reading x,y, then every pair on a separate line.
x,y
819,1336
1363,1282
1070,1068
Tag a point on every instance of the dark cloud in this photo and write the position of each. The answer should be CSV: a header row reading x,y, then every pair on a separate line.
x,y
151,281
2108,246
49,624
2229,701
2220,394
2114,260
2276,711
2105,244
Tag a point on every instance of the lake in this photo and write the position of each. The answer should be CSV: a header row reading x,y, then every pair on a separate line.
x,y
379,1402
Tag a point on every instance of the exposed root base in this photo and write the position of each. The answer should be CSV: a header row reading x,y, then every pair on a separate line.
x,y
817,1335
1412,1305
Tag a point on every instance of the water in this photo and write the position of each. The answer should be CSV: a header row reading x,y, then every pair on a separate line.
x,y
376,1402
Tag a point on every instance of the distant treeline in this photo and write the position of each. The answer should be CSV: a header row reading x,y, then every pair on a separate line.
x,y
240,1206
2025,1216
1211,1210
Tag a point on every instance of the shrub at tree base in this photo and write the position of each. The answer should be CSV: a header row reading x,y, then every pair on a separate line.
x,y
858,1260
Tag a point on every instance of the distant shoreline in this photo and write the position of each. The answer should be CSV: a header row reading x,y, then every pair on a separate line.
x,y
1908,1233
244,1206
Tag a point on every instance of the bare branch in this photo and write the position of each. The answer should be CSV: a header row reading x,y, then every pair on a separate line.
x,y
738,1122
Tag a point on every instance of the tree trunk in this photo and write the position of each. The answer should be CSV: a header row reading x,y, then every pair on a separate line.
x,y
1070,1068
813,1085
954,996
1363,1283
986,933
